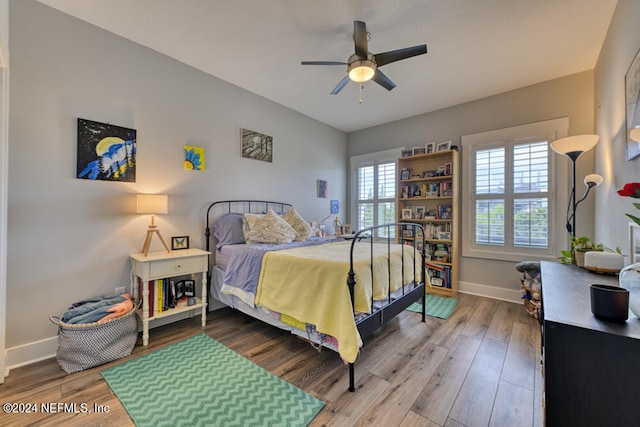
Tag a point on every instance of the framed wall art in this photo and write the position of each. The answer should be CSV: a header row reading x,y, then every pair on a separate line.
x,y
105,152
257,146
335,207
632,104
322,188
193,158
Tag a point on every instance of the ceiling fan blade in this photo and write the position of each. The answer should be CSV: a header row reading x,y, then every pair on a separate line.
x,y
384,81
340,85
323,63
397,55
360,38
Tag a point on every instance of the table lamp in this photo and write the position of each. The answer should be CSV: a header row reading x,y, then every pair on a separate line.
x,y
152,204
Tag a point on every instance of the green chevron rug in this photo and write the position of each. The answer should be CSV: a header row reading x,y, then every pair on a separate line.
x,y
436,306
200,382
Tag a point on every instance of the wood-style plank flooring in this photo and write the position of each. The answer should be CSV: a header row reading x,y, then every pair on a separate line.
x,y
480,367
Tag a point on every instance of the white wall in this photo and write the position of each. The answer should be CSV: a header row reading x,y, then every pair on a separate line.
x,y
571,96
70,238
619,49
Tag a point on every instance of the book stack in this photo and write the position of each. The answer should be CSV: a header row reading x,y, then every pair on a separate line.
x,y
165,294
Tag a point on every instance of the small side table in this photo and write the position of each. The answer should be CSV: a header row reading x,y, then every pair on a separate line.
x,y
163,265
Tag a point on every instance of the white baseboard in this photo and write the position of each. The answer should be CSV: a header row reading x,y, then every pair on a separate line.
x,y
27,354
503,294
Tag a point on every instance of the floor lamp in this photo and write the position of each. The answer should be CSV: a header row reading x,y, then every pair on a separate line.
x,y
573,147
152,204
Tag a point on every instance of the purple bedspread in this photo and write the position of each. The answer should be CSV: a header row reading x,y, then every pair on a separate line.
x,y
243,269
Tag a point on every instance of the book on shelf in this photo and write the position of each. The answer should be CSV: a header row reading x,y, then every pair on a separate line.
x,y
159,296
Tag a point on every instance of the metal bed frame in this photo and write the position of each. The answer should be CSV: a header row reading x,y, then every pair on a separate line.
x,y
393,306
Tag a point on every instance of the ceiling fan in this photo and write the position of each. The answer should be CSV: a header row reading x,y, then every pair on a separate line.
x,y
363,65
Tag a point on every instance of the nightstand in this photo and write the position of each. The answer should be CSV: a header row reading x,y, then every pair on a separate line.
x,y
164,265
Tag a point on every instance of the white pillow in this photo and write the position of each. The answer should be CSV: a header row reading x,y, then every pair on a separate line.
x,y
248,221
299,224
271,229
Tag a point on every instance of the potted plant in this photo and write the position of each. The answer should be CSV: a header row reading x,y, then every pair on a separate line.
x,y
579,245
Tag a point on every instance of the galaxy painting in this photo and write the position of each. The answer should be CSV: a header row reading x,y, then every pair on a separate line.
x,y
106,152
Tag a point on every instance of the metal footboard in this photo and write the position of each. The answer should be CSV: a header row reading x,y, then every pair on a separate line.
x,y
394,304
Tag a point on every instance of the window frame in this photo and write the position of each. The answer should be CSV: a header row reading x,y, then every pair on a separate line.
x,y
372,159
548,130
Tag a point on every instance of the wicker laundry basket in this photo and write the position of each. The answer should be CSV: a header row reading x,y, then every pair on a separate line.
x,y
83,346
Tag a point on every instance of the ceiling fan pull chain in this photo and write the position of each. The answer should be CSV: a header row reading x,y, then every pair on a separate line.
x,y
361,87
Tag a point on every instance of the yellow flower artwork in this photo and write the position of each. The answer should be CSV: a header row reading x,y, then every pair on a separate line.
x,y
193,158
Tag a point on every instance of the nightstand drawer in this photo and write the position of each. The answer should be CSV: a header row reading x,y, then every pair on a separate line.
x,y
172,267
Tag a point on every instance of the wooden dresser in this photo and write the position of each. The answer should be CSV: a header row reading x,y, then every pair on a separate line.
x,y
591,366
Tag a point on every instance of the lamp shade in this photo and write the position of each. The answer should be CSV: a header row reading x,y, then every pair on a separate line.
x,y
593,180
152,204
573,146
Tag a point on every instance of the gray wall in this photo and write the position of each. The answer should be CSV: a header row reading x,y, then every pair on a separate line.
x,y
571,96
619,49
70,238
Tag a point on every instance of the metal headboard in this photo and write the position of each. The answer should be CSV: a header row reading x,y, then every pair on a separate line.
x,y
241,206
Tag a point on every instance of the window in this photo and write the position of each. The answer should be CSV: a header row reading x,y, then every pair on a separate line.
x,y
374,188
511,211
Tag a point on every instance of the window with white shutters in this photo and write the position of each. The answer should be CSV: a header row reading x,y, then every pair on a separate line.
x,y
511,207
375,189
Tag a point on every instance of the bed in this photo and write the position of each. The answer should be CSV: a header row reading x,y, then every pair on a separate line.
x,y
268,263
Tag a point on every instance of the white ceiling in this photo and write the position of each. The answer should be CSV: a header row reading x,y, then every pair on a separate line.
x,y
476,48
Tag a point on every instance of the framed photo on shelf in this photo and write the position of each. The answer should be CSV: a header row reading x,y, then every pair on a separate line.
x,y
444,146
447,169
407,213
179,290
406,153
179,243
418,150
405,174
430,147
189,288
419,212
444,235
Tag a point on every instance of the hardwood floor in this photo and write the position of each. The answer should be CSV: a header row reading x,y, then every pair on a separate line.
x,y
480,367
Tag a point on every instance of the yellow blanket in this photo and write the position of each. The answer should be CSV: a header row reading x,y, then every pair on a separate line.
x,y
310,284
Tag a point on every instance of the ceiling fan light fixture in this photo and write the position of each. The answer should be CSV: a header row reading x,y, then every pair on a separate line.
x,y
361,70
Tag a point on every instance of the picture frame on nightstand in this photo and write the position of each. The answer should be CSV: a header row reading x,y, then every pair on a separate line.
x,y
179,243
